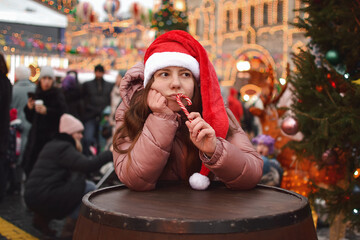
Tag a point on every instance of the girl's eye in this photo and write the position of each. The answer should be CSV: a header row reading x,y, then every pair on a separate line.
x,y
163,74
187,74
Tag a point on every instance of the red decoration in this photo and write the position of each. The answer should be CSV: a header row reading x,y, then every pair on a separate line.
x,y
319,88
326,175
329,157
290,126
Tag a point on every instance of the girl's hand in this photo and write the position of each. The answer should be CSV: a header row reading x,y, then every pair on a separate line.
x,y
201,134
41,109
158,103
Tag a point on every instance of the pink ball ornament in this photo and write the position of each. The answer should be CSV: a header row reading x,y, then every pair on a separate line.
x,y
290,126
329,157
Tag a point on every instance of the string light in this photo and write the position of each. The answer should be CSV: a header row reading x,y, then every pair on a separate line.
x,y
282,81
243,66
63,6
357,173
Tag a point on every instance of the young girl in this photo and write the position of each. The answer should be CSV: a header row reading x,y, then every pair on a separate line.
x,y
155,141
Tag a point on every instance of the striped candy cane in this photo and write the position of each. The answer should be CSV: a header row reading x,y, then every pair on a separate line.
x,y
178,100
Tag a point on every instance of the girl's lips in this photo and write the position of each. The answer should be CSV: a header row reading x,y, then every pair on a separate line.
x,y
172,97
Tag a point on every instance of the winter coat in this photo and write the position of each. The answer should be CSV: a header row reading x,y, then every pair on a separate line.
x,y
96,96
74,101
159,153
5,99
44,127
19,101
56,185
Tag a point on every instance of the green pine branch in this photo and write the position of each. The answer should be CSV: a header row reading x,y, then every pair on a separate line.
x,y
326,102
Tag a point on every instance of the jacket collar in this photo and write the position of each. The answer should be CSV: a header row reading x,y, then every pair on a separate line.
x,y
65,137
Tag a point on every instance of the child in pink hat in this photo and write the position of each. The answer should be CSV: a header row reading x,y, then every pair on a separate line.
x,y
58,182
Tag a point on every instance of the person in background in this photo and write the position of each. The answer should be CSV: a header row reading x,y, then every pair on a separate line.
x,y
115,97
22,87
105,130
272,170
43,111
235,105
155,140
96,96
72,92
56,185
5,100
13,153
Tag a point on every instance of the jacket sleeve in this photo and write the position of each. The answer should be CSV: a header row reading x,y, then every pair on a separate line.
x,y
235,161
142,166
76,161
29,113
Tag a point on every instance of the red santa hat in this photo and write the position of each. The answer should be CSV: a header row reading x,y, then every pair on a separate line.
x,y
180,49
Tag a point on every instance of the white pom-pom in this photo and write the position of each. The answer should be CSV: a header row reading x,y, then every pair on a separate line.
x,y
199,182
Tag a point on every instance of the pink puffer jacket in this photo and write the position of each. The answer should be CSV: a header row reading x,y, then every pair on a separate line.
x,y
235,161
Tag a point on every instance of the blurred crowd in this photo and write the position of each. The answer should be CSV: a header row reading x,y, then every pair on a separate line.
x,y
55,138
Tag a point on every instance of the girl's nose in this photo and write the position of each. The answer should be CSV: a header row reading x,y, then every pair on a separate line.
x,y
175,81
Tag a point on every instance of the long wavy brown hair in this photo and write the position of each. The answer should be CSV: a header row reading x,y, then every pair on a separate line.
x,y
136,116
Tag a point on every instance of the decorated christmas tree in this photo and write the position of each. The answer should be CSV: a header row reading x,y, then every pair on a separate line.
x,y
327,106
168,18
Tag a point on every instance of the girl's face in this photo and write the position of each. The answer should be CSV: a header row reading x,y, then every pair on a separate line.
x,y
77,135
46,83
170,81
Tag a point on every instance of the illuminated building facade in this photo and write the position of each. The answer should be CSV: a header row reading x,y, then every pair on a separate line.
x,y
258,32
62,6
31,33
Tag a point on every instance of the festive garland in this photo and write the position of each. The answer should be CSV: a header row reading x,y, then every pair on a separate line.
x,y
59,7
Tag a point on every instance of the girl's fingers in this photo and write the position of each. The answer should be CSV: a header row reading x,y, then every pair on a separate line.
x,y
197,126
203,133
194,115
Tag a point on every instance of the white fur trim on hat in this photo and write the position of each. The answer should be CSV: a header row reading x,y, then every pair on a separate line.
x,y
161,60
199,182
69,124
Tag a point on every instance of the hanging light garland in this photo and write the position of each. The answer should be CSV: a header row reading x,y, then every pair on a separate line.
x,y
62,6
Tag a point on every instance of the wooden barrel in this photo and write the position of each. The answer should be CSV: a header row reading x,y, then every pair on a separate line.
x,y
175,211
